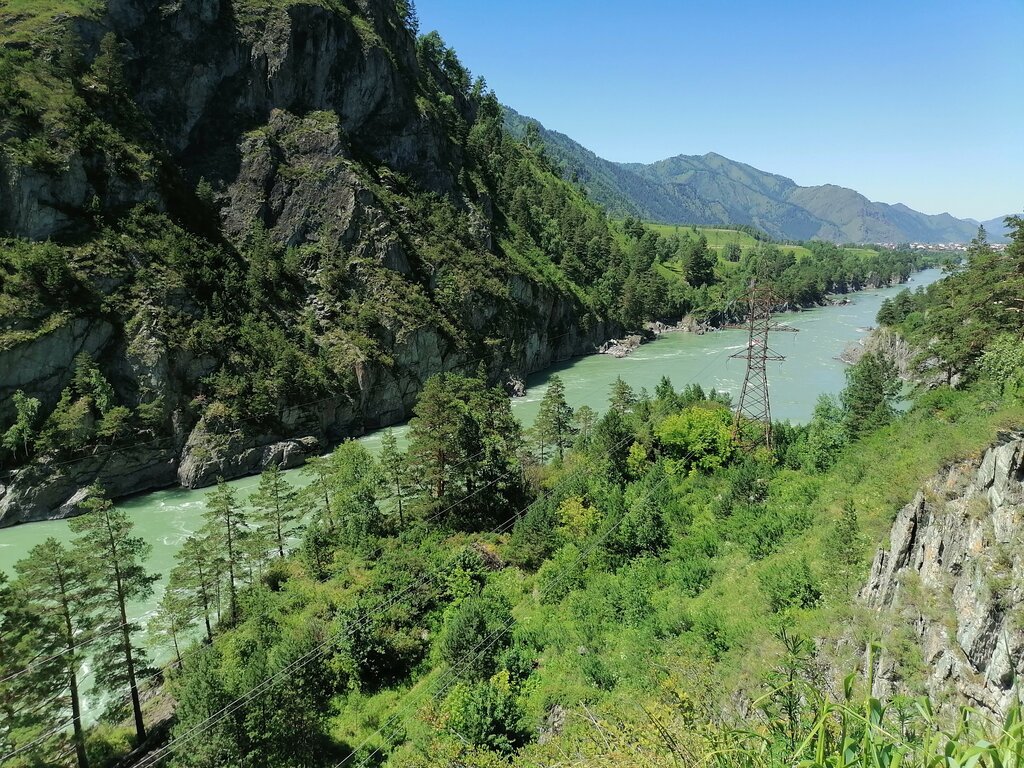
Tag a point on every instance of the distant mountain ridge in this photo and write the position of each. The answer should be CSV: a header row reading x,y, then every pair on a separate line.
x,y
711,189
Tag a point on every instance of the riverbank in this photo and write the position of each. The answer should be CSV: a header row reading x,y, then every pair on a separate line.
x,y
166,517
56,488
652,331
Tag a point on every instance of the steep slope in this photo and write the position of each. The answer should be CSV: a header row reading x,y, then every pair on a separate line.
x,y
712,189
743,194
614,186
953,575
236,232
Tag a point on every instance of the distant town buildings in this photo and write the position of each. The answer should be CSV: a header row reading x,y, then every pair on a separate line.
x,y
962,247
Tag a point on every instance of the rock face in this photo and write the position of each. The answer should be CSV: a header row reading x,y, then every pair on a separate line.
x,y
892,346
621,347
954,574
304,119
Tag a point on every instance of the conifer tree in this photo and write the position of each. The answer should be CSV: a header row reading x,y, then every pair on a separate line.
x,y
870,394
846,541
275,506
225,525
554,424
21,433
31,700
394,470
256,544
584,421
355,474
172,619
318,494
622,397
463,437
196,575
62,596
434,435
115,563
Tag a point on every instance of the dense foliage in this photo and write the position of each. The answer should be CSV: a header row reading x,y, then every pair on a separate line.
x,y
971,324
596,587
517,592
234,332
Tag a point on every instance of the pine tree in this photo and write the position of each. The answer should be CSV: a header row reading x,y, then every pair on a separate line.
x,y
434,432
394,469
355,474
846,541
196,576
622,397
275,506
225,525
22,432
31,701
107,68
56,585
115,564
826,435
256,544
464,438
172,619
699,263
317,495
584,420
870,394
554,424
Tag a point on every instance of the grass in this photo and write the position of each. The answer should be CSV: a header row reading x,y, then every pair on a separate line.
x,y
719,237
880,474
21,21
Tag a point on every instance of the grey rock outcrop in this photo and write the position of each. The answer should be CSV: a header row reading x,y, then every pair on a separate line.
x,y
954,575
207,457
55,489
44,365
306,121
621,347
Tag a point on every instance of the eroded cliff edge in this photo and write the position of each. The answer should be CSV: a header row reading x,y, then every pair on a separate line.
x,y
325,134
951,583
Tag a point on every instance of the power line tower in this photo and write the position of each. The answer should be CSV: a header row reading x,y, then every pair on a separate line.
x,y
755,403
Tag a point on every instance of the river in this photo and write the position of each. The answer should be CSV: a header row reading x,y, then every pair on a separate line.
x,y
166,518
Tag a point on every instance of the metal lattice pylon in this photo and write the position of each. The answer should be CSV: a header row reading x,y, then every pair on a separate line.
x,y
755,402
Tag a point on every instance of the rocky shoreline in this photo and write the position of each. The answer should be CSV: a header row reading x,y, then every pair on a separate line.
x,y
194,457
689,324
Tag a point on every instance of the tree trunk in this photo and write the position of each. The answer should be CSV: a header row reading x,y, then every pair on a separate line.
x,y
233,597
76,706
398,493
126,640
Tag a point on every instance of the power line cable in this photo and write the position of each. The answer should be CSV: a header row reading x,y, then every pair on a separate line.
x,y
301,662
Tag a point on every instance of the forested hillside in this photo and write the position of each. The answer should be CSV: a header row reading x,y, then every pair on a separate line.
x,y
234,233
714,190
631,586
231,238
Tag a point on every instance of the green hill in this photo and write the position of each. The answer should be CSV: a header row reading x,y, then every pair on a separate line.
x,y
714,190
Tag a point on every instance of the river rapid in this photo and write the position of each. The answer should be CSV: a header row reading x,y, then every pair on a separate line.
x,y
811,368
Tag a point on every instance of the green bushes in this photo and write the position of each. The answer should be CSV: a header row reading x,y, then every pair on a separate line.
x,y
699,437
474,635
788,583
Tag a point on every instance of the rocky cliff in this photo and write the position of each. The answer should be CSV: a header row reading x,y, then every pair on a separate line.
x,y
274,222
949,590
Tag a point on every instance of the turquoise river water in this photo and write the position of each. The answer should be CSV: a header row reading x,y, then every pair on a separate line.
x,y
166,518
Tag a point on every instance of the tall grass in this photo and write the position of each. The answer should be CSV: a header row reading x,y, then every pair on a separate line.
x,y
867,733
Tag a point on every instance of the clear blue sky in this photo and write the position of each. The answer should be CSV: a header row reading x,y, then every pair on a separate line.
x,y
902,100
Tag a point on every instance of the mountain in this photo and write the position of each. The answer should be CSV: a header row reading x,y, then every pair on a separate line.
x,y
712,189
997,229
232,233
